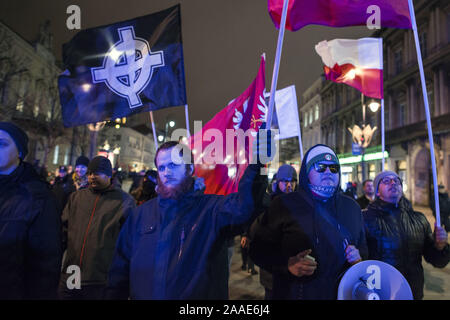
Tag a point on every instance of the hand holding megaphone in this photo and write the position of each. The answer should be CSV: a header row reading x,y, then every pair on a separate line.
x,y
302,264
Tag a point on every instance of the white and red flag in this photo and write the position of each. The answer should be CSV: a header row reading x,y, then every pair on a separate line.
x,y
357,63
222,148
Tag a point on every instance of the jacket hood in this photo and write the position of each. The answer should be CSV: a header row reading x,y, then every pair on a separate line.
x,y
303,180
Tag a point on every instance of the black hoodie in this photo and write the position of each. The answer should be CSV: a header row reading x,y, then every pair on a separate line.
x,y
295,222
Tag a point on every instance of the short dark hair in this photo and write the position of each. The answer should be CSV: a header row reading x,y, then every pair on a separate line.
x,y
171,144
365,181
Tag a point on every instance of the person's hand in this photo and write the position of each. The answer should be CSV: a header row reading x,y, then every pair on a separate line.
x,y
352,255
263,144
244,242
440,237
199,184
300,266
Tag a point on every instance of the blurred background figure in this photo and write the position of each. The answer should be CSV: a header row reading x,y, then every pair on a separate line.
x,y
79,177
146,189
368,194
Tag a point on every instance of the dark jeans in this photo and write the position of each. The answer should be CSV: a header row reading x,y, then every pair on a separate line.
x,y
246,261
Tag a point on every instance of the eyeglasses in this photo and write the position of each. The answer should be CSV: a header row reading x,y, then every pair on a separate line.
x,y
322,167
288,181
388,180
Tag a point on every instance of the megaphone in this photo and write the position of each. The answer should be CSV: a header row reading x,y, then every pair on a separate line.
x,y
373,280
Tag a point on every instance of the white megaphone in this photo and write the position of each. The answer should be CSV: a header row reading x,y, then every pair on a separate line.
x,y
373,280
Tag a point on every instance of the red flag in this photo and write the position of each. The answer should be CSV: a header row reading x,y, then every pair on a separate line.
x,y
357,63
340,13
219,157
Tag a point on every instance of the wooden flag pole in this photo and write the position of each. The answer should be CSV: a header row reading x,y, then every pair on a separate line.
x,y
427,111
276,65
154,131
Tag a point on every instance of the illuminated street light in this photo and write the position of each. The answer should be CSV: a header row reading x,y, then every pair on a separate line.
x,y
160,138
172,123
373,106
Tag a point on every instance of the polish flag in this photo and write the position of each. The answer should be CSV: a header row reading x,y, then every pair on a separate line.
x,y
341,13
219,165
357,63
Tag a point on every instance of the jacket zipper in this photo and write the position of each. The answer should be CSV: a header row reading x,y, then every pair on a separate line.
x,y
87,230
181,242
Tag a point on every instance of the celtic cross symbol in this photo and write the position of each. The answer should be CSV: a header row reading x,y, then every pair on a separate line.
x,y
128,66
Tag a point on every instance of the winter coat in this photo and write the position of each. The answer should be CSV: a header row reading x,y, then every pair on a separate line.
x,y
30,236
91,225
177,249
400,236
62,188
293,224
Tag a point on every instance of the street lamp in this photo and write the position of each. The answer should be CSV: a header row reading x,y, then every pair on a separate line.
x,y
367,132
160,138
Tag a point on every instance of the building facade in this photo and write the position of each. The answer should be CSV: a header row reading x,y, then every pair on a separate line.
x,y
407,144
29,97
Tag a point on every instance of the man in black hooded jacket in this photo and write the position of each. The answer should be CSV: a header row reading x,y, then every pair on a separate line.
x,y
30,226
310,237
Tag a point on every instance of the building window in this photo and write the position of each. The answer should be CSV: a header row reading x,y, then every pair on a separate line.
x,y
310,116
316,112
19,106
55,155
401,171
398,61
402,115
66,156
423,44
372,171
36,110
49,115
305,119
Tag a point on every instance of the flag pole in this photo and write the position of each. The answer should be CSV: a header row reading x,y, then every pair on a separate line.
x,y
186,113
382,135
276,65
383,146
299,130
154,131
427,110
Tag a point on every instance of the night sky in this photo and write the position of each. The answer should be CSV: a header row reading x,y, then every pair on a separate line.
x,y
222,42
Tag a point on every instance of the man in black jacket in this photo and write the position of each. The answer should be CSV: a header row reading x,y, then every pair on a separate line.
x,y
309,237
175,246
30,225
400,236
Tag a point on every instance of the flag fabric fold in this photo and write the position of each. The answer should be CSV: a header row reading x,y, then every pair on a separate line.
x,y
340,13
357,63
218,156
124,68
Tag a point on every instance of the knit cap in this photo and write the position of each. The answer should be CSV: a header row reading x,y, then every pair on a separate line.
x,y
380,176
82,160
100,164
18,135
320,153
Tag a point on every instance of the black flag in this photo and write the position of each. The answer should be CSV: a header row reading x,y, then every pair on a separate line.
x,y
124,68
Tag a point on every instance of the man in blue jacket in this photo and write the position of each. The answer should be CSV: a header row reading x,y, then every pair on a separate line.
x,y
174,246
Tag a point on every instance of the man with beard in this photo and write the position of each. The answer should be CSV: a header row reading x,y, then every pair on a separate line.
x,y
30,225
400,236
174,246
309,237
368,196
92,220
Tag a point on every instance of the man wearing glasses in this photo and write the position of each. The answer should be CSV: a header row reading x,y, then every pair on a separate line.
x,y
309,237
400,236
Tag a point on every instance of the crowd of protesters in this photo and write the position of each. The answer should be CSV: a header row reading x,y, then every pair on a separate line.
x,y
83,237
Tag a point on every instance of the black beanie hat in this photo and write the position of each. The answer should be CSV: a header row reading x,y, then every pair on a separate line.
x,y
100,164
82,160
18,135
